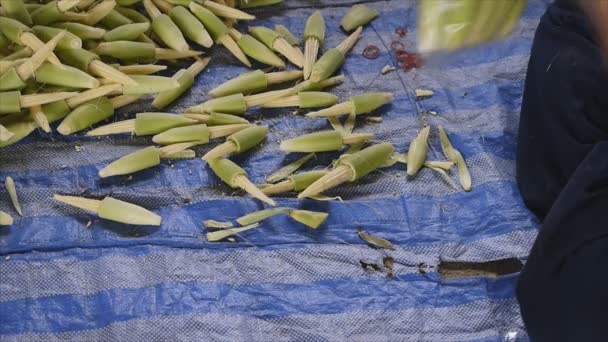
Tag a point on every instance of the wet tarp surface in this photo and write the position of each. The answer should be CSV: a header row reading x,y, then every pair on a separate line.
x,y
68,275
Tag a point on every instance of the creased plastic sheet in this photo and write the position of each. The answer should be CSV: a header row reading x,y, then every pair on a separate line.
x,y
61,280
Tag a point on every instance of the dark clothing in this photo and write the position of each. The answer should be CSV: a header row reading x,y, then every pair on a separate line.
x,y
562,170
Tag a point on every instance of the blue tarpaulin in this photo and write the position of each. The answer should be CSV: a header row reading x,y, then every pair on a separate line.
x,y
67,275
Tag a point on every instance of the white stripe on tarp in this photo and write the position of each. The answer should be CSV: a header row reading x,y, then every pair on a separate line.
x,y
496,319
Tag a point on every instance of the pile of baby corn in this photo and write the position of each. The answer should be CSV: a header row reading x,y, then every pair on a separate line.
x,y
76,61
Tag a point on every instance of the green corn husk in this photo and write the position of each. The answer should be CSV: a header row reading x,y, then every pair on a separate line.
x,y
227,171
166,30
265,35
154,123
86,115
248,138
115,19
224,233
284,33
184,3
313,99
48,14
327,65
77,58
132,51
260,215
124,212
190,26
246,83
56,110
303,180
258,3
82,31
65,76
287,170
132,14
367,160
260,52
20,126
10,102
25,52
213,24
96,13
219,119
315,27
455,156
127,3
16,9
10,80
12,29
185,80
4,42
183,134
314,142
369,102
416,155
129,32
233,104
133,162
69,40
358,15
149,84
312,219
5,219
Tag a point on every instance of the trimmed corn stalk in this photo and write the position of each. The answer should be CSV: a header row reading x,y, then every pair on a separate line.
x,y
297,182
238,142
323,141
113,210
357,16
272,40
360,104
351,168
256,49
332,59
253,82
236,177
314,35
218,31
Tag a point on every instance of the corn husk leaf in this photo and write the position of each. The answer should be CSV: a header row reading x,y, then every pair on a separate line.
x,y
260,215
222,234
217,224
312,219
12,192
287,170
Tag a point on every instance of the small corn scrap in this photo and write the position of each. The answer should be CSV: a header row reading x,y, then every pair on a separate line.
x,y
305,99
5,134
314,35
113,210
236,177
360,104
357,16
287,170
5,219
419,147
455,156
9,183
272,40
238,142
374,241
297,183
323,141
423,93
351,168
253,82
333,58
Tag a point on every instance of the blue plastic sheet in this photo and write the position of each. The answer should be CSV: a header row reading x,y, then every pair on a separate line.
x,y
68,275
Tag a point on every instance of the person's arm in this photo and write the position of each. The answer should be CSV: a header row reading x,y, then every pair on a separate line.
x,y
597,10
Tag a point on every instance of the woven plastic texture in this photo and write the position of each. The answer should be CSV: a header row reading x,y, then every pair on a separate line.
x,y
66,275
